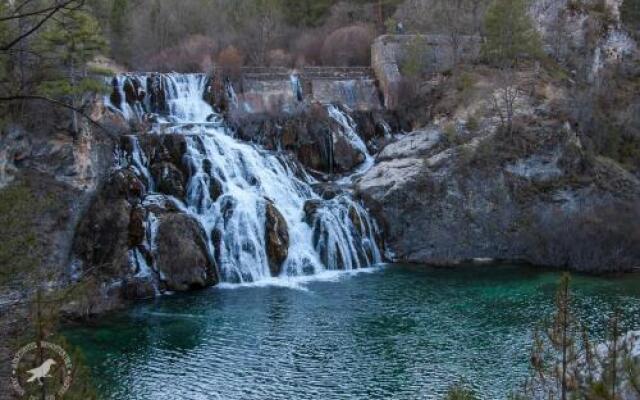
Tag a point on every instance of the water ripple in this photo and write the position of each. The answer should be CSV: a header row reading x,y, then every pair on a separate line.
x,y
398,333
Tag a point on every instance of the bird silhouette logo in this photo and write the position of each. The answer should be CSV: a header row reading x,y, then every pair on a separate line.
x,y
38,374
52,377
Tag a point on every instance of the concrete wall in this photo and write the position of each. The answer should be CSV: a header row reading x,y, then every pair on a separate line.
x,y
266,97
357,94
389,51
273,91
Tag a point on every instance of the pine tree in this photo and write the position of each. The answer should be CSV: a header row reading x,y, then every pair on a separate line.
x,y
510,34
68,45
561,336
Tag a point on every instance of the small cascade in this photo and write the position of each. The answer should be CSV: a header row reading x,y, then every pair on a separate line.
x,y
257,208
164,99
296,87
349,129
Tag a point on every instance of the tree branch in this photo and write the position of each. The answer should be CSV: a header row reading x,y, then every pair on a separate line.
x,y
30,13
37,26
54,102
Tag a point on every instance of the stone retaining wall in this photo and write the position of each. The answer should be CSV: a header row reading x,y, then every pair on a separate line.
x,y
388,52
263,90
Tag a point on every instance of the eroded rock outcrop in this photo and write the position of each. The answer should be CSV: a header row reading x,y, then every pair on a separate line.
x,y
555,205
276,238
316,140
182,259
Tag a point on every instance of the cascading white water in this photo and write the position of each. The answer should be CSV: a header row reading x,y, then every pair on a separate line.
x,y
348,128
323,234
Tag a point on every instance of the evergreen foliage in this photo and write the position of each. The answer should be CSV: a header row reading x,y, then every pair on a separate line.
x,y
307,13
19,209
630,14
414,62
510,34
69,44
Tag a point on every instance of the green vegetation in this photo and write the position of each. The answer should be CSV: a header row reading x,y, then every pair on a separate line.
x,y
564,361
630,14
69,44
414,63
510,33
20,242
307,13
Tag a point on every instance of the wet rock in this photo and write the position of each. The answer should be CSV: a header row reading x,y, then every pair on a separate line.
x,y
138,288
130,91
216,240
137,226
182,257
163,148
326,190
227,207
124,183
215,189
169,179
102,238
276,239
356,220
175,147
157,94
289,135
346,156
115,97
310,209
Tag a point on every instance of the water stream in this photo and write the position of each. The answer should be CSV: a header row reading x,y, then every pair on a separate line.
x,y
324,233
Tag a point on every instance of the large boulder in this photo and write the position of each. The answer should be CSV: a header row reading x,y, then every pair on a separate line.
x,y
113,223
125,184
346,155
169,179
276,238
102,238
182,258
552,204
311,208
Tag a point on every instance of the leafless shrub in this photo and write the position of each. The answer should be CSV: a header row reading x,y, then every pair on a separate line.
x,y
347,13
348,46
230,60
194,54
599,238
504,99
279,58
306,49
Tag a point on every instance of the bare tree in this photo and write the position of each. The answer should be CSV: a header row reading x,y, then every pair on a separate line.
x,y
504,99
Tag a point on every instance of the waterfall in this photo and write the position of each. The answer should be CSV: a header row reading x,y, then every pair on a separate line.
x,y
232,183
296,87
349,127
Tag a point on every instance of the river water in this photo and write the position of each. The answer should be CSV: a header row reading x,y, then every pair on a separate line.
x,y
395,332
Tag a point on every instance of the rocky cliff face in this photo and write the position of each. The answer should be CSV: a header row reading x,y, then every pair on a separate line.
x,y
466,188
318,141
444,204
